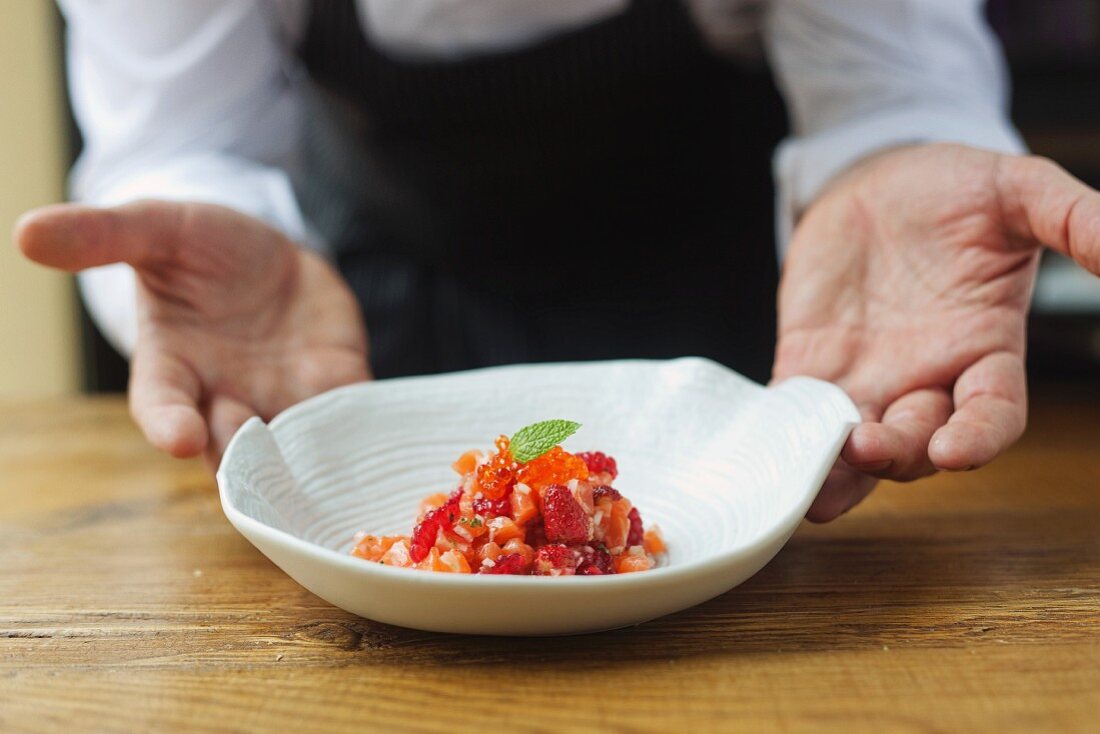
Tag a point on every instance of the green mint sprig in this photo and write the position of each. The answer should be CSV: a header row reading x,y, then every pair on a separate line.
x,y
534,440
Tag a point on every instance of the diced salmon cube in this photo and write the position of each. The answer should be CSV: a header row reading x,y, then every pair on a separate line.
x,y
503,529
524,506
654,541
583,494
618,526
518,547
634,559
488,552
470,527
397,555
467,462
601,519
432,562
454,562
429,503
373,548
449,541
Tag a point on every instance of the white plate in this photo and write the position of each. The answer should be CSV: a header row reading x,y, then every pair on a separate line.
x,y
726,467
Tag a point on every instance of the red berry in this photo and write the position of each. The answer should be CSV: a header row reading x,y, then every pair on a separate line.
x,y
488,508
605,491
595,561
425,534
563,516
599,462
555,557
513,563
636,536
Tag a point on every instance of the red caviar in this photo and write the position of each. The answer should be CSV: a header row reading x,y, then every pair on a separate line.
x,y
496,476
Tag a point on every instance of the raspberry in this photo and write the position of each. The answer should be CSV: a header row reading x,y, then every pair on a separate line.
x,y
425,534
555,557
512,564
556,466
595,561
599,462
605,491
496,476
563,516
493,508
636,536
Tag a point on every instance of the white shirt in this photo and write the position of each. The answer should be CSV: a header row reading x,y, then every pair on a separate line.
x,y
201,100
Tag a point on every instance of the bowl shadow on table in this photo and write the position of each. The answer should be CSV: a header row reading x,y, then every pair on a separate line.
x,y
845,588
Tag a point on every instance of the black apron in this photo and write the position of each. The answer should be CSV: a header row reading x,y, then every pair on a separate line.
x,y
601,194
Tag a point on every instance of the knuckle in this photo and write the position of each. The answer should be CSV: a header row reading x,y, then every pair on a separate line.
x,y
1041,166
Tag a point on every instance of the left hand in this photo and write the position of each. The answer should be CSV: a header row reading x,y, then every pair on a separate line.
x,y
907,283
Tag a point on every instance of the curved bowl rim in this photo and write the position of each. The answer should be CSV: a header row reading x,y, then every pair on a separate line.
x,y
704,565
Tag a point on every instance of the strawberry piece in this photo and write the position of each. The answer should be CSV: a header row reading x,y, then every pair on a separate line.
x,y
636,536
424,535
598,463
563,516
511,564
555,560
440,519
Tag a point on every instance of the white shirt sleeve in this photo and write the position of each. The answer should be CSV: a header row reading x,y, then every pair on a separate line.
x,y
863,75
186,101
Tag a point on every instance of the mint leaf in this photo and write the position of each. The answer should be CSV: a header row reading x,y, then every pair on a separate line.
x,y
536,439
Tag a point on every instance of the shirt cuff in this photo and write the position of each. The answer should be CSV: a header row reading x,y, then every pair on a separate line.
x,y
805,165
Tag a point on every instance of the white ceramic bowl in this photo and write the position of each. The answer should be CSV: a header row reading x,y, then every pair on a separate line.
x,y
726,467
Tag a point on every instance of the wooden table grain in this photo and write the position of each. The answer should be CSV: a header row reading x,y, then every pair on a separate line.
x,y
968,602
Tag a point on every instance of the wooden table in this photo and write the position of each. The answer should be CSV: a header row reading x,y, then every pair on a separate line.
x,y
969,602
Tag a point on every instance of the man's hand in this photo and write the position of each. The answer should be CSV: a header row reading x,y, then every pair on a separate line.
x,y
234,320
907,283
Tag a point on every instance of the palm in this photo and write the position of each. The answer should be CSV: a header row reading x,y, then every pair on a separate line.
x,y
233,321
908,284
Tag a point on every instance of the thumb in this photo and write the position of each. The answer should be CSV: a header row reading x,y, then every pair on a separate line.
x,y
74,237
1042,202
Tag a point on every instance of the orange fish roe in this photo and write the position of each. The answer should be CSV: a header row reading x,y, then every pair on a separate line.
x,y
556,466
554,515
496,476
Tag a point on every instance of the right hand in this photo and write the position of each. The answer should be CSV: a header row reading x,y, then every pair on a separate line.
x,y
234,319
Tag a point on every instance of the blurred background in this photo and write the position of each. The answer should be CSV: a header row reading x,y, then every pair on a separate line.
x,y
49,346
40,351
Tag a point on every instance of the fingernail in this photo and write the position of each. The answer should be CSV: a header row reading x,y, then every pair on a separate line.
x,y
971,467
873,466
